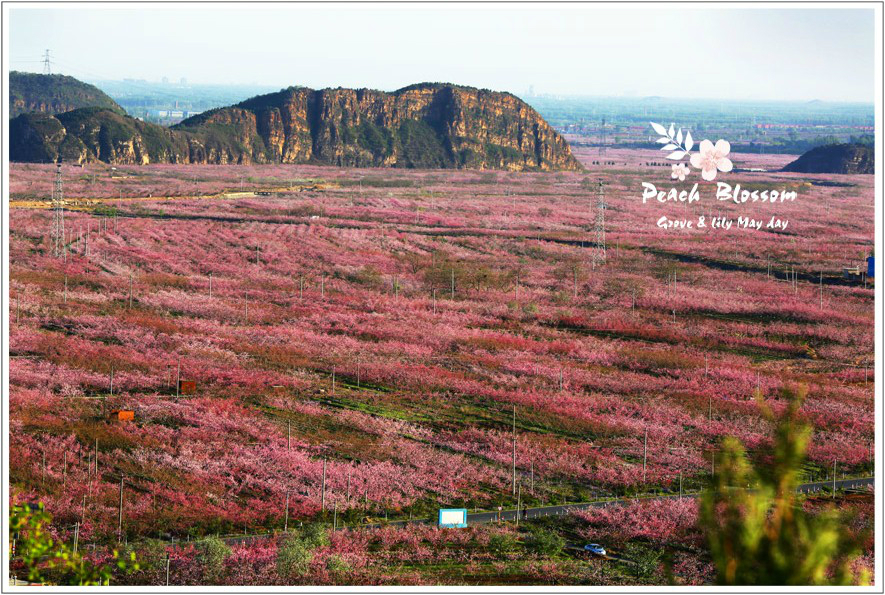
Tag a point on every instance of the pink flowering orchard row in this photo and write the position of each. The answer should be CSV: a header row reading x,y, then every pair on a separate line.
x,y
391,330
378,555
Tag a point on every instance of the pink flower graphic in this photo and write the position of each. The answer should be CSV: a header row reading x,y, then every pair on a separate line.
x,y
680,170
711,158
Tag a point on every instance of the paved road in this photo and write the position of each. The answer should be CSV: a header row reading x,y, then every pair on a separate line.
x,y
844,484
580,551
533,513
557,510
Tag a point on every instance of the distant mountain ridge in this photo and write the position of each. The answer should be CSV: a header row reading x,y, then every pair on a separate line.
x,y
849,158
429,125
53,94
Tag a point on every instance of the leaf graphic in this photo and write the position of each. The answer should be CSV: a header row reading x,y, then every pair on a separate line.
x,y
659,129
689,142
679,137
669,147
663,140
676,155
672,131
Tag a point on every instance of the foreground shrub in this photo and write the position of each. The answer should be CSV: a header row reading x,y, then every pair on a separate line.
x,y
758,532
46,561
296,551
502,543
545,542
213,553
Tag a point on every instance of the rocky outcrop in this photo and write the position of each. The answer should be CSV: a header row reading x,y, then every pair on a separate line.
x,y
422,126
53,94
94,134
427,125
835,159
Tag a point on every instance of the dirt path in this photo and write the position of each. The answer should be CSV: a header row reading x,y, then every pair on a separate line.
x,y
84,203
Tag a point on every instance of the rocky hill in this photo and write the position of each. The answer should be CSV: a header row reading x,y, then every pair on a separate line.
x,y
94,134
427,126
835,159
422,126
53,94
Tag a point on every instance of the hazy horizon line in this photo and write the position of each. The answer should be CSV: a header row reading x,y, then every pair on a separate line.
x,y
521,95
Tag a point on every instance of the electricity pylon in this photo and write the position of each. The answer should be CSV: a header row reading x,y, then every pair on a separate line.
x,y
58,215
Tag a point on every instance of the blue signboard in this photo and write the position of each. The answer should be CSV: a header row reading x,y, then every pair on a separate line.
x,y
871,266
452,517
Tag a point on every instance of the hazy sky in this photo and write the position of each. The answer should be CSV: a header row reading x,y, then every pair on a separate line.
x,y
667,50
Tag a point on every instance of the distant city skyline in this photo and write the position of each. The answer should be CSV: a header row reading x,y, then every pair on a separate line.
x,y
673,51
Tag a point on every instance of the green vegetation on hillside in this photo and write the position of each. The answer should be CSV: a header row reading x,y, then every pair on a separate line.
x,y
850,158
53,94
448,126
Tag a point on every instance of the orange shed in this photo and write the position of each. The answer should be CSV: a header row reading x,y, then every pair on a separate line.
x,y
187,387
122,415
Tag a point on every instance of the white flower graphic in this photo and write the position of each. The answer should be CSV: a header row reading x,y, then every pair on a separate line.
x,y
680,170
711,158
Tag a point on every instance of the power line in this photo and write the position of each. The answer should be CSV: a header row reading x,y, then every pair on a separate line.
x,y
46,63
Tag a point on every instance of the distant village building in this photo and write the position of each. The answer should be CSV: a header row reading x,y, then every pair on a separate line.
x,y
171,116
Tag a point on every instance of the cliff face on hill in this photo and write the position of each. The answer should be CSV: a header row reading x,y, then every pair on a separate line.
x,y
427,126
835,159
53,94
423,126
94,134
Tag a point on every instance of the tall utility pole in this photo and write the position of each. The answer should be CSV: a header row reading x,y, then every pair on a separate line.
x,y
58,215
532,488
644,455
120,517
599,254
324,487
514,450
834,478
46,63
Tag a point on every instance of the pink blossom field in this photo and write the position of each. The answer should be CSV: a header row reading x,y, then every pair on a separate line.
x,y
380,331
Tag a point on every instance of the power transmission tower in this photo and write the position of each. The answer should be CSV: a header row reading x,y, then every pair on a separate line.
x,y
58,215
599,253
602,138
46,63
